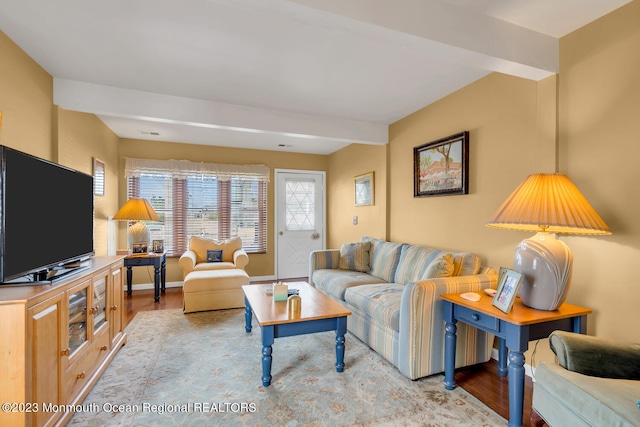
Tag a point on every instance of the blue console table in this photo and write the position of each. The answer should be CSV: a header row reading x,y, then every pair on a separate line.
x,y
159,263
514,331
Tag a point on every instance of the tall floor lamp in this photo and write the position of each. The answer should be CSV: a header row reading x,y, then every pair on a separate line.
x,y
546,203
137,209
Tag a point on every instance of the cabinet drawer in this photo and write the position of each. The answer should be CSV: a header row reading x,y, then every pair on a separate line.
x,y
80,372
480,320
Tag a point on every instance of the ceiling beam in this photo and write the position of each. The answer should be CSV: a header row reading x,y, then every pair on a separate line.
x,y
461,35
153,107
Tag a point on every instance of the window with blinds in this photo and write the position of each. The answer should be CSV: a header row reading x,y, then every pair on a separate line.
x,y
196,199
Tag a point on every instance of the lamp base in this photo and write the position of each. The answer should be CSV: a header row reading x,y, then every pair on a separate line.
x,y
139,233
547,266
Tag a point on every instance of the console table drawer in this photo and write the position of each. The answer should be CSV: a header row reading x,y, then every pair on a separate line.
x,y
132,262
475,318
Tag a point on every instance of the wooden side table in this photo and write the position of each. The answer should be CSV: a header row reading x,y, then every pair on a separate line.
x,y
514,331
159,263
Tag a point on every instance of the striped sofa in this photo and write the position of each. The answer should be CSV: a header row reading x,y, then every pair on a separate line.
x,y
395,300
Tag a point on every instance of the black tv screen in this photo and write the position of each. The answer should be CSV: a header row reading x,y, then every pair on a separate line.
x,y
46,216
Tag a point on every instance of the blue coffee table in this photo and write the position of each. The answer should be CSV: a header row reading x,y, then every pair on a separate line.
x,y
319,313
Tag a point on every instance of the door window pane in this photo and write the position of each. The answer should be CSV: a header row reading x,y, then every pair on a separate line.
x,y
300,199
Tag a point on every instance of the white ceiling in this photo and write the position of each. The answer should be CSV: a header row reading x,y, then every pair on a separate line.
x,y
307,76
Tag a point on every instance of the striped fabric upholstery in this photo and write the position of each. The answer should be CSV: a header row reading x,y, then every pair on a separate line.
x,y
415,261
319,260
335,282
380,301
404,322
380,337
384,258
421,349
355,256
465,264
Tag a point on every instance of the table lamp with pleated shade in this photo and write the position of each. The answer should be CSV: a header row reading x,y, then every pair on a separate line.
x,y
137,209
546,203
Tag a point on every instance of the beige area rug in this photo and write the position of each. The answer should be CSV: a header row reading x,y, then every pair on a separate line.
x,y
204,369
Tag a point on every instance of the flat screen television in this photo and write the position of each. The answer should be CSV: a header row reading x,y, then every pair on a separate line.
x,y
46,217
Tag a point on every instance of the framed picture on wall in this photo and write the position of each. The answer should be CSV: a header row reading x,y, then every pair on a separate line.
x,y
364,189
441,167
98,177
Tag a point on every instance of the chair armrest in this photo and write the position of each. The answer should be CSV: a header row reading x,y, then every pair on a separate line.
x,y
595,356
240,258
421,314
187,262
319,260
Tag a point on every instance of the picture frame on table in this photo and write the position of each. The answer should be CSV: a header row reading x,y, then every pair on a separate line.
x,y
509,282
158,246
441,168
139,248
364,189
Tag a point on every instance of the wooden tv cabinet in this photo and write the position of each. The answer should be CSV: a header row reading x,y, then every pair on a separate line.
x,y
57,340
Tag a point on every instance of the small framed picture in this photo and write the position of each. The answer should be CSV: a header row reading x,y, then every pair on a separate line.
x,y
98,177
139,248
364,189
158,246
508,284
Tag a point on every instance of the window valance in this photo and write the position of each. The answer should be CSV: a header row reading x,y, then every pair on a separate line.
x,y
183,169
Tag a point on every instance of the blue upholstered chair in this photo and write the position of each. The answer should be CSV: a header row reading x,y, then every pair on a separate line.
x,y
595,383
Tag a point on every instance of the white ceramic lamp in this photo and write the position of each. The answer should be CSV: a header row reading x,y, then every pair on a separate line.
x,y
546,203
137,209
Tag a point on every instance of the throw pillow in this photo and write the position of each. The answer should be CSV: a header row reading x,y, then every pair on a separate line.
x,y
439,267
200,246
214,255
355,256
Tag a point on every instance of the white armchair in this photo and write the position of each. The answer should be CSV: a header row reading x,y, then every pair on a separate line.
x,y
195,258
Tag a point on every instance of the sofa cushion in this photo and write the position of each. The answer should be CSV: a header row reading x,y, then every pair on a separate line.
x,y
384,258
465,264
200,246
380,301
418,262
208,266
439,267
335,282
355,256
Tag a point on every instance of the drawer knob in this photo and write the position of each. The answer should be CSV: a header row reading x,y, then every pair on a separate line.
x,y
475,317
103,348
114,307
66,352
80,376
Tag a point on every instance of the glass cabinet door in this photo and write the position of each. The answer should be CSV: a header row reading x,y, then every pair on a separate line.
x,y
99,308
77,319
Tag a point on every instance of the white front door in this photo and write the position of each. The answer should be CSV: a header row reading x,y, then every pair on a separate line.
x,y
300,227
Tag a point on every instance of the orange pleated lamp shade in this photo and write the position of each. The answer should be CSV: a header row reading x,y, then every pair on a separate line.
x,y
551,203
136,209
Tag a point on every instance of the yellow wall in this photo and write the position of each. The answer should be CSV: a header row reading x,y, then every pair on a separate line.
x,y
499,111
344,166
31,123
80,138
599,149
26,102
259,264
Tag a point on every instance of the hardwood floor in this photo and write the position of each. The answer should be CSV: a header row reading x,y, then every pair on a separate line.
x,y
482,381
